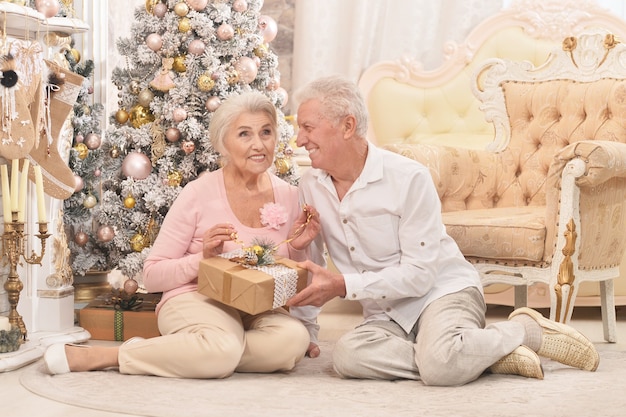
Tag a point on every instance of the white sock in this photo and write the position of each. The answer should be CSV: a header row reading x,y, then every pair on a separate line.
x,y
533,331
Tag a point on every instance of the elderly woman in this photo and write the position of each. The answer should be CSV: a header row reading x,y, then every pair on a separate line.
x,y
240,202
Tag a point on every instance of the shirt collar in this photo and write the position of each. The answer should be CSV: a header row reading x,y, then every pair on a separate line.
x,y
372,170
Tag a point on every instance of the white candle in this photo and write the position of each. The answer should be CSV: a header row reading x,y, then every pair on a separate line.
x,y
21,210
6,194
15,169
41,202
4,323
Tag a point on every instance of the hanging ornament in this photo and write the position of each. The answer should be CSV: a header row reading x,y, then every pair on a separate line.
x,y
114,152
140,115
172,134
196,47
205,82
283,96
232,77
82,150
179,63
157,149
159,10
184,25
240,6
138,242
145,97
75,54
181,9
48,8
92,141
90,201
197,5
261,50
154,41
268,28
247,69
225,32
151,4
163,81
79,138
121,116
81,238
174,179
212,103
188,147
129,202
136,165
130,286
105,233
79,183
283,165
179,114
134,87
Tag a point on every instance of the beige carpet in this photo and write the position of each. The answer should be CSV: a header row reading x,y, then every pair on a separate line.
x,y
314,390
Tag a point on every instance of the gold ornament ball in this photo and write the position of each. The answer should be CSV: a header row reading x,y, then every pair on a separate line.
x,y
184,25
75,54
233,77
90,201
114,152
179,63
140,115
82,150
121,116
150,5
258,250
174,179
282,165
138,242
181,9
134,87
129,202
261,50
145,97
205,82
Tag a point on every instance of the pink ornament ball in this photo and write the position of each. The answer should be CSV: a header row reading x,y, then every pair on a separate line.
x,y
130,286
97,173
48,8
246,68
81,238
213,103
92,140
268,27
196,47
136,165
283,95
179,115
105,233
159,10
172,134
197,5
79,138
79,183
240,6
154,41
225,32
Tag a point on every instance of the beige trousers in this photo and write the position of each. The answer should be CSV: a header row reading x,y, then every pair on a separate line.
x,y
202,338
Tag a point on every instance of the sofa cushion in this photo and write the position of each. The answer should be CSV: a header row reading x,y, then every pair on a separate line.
x,y
508,233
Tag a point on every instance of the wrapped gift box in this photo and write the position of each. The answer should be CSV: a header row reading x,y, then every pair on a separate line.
x,y
247,288
104,322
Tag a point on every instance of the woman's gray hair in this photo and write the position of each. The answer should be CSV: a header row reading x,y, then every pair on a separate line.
x,y
339,98
231,109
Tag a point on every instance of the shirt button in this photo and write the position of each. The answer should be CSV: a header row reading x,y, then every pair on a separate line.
x,y
353,295
352,248
422,243
384,296
387,309
345,221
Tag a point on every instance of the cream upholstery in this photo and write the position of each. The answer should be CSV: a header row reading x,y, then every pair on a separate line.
x,y
410,105
549,205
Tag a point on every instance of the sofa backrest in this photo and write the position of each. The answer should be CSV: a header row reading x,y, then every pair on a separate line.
x,y
409,105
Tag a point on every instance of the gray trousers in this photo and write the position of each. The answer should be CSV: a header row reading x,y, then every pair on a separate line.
x,y
449,345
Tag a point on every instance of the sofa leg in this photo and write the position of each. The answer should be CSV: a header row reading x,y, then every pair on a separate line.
x,y
607,306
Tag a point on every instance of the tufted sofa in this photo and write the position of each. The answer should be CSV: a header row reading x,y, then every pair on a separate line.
x,y
438,108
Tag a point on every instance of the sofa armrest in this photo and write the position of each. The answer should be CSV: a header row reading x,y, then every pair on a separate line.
x,y
603,160
464,178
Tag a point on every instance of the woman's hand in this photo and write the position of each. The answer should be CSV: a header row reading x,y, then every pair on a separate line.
x,y
214,238
305,228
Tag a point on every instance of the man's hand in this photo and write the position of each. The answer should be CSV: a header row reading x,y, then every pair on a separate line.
x,y
325,286
313,351
305,228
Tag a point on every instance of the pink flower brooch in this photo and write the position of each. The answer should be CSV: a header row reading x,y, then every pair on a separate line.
x,y
273,215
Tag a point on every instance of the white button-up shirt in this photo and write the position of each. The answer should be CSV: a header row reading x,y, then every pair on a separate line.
x,y
387,237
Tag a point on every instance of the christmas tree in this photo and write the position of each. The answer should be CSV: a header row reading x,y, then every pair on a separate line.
x,y
183,58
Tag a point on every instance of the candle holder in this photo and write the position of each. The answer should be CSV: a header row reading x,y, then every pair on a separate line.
x,y
14,249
